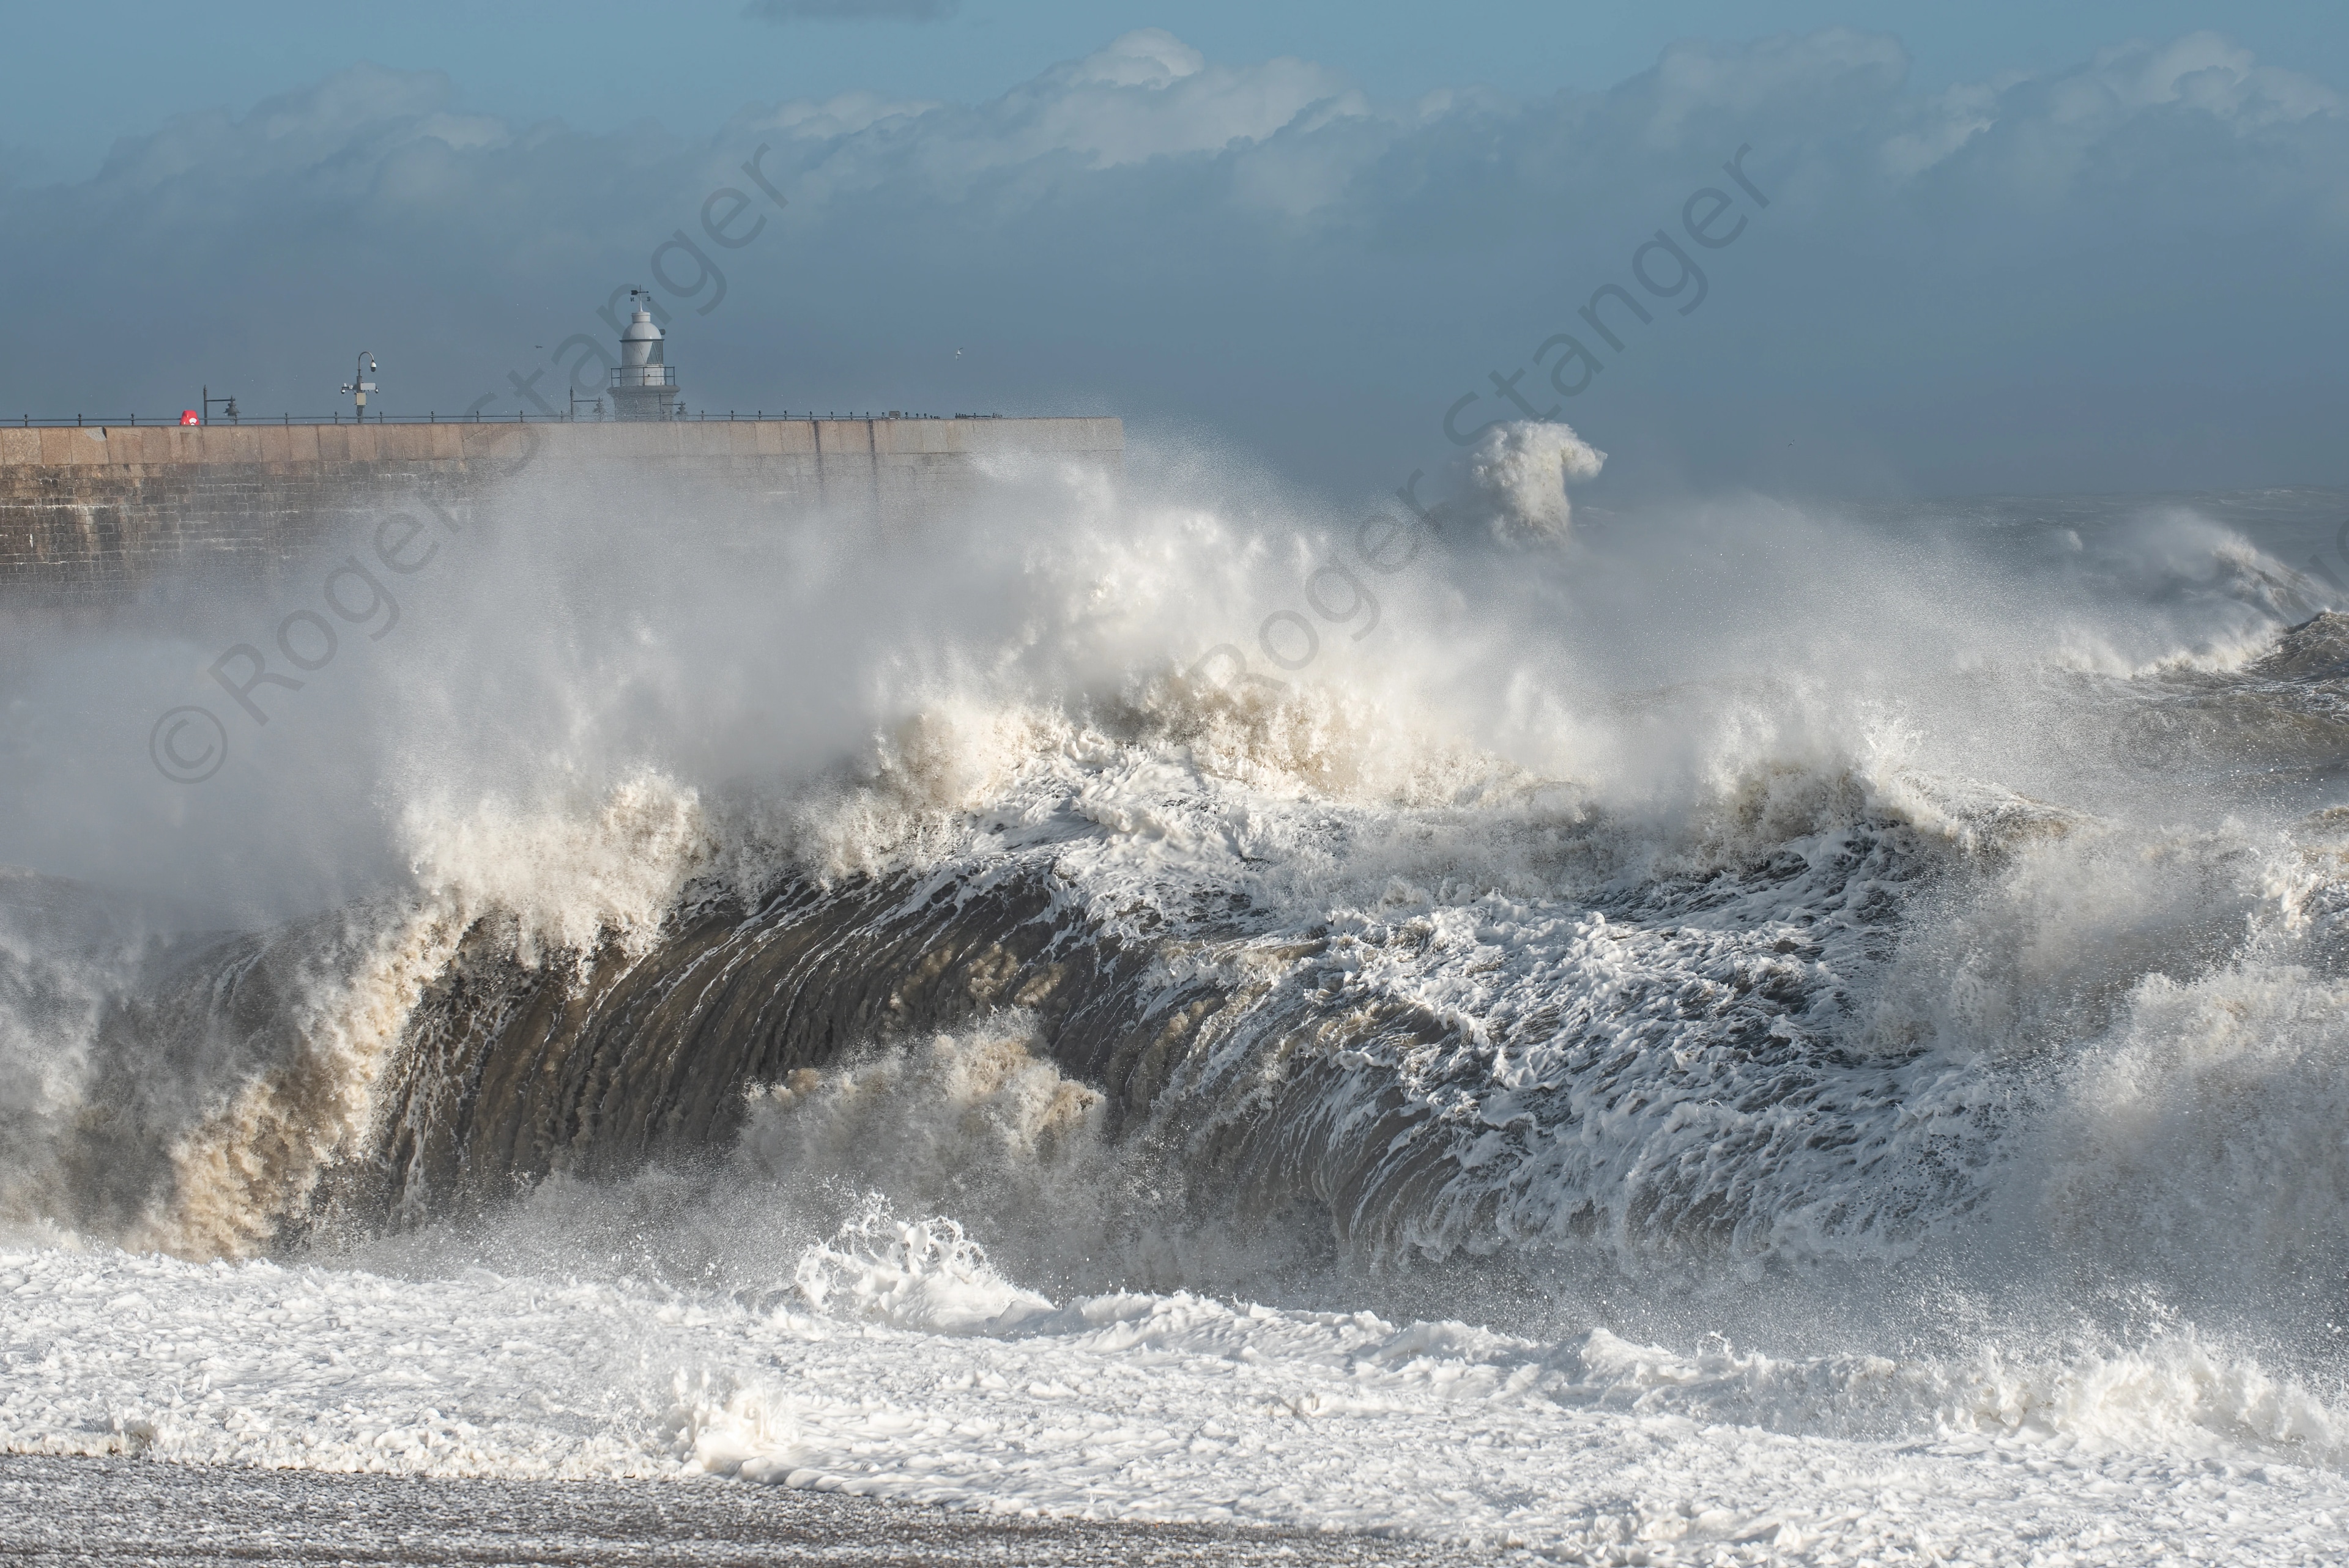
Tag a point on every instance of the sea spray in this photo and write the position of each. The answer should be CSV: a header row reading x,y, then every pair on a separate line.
x,y
816,1013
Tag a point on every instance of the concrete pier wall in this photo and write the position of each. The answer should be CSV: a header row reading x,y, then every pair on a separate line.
x,y
88,517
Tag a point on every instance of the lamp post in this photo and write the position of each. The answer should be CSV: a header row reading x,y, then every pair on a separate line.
x,y
358,387
229,410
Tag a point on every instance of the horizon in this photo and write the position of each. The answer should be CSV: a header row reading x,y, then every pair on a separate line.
x,y
2104,274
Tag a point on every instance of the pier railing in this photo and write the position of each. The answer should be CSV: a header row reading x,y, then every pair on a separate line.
x,y
98,421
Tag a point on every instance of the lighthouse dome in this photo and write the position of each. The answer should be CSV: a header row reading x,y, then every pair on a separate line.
x,y
640,343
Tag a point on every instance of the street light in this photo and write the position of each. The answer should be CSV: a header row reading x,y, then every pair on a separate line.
x,y
358,386
228,413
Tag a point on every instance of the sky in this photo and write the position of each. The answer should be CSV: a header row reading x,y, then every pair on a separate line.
x,y
1945,250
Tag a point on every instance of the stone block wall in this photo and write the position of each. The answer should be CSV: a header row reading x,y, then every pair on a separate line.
x,y
90,517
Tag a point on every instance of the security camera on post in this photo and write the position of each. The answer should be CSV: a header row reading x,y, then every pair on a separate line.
x,y
358,386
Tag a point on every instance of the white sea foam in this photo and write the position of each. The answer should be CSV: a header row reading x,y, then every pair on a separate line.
x,y
1869,1056
1518,474
898,1364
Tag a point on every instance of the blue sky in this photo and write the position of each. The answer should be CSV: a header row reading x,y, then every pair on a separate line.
x,y
2093,246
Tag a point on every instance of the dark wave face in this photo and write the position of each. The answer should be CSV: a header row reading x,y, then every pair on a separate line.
x,y
1569,969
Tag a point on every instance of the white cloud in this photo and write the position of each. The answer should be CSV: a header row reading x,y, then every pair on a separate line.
x,y
1699,81
1154,229
1144,96
2040,137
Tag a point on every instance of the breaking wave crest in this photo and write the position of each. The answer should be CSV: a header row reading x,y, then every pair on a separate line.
x,y
1618,996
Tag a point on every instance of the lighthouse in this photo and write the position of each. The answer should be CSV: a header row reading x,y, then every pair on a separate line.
x,y
643,387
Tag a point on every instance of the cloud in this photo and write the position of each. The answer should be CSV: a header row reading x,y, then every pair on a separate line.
x,y
850,10
1144,95
2115,275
